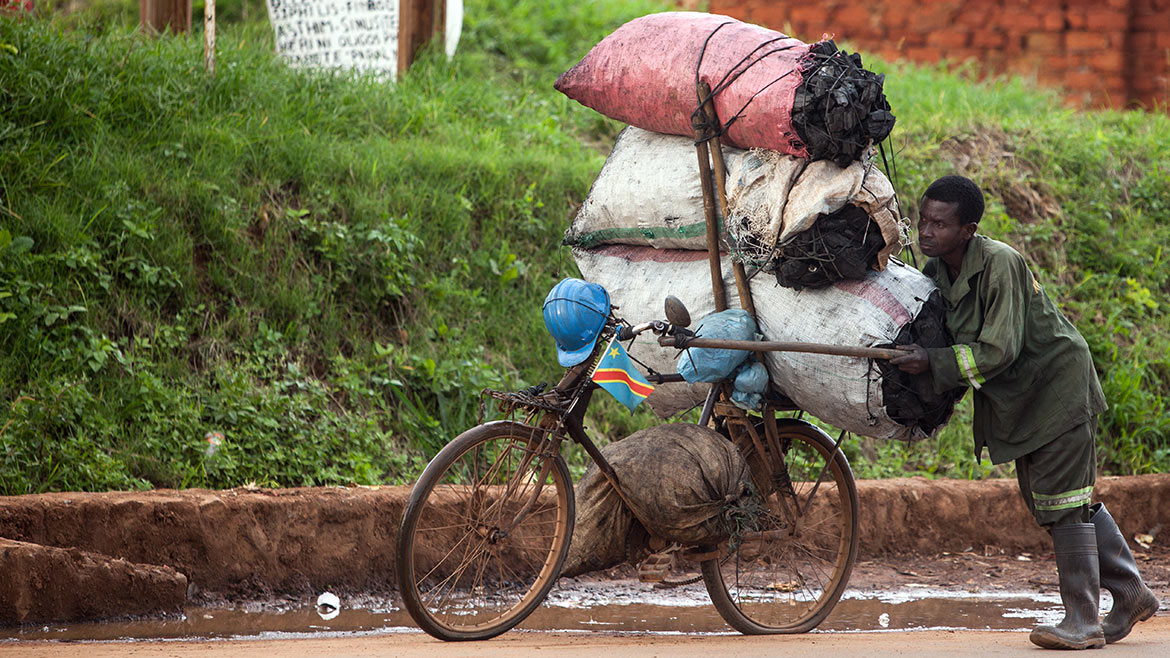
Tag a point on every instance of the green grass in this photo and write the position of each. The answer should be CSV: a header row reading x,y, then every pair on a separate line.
x,y
327,268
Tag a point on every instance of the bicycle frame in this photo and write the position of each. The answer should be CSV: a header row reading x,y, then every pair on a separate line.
x,y
779,543
576,387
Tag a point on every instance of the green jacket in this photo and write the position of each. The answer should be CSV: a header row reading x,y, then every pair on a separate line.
x,y
1030,369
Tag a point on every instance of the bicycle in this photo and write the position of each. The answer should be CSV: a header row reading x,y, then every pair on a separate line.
x,y
487,526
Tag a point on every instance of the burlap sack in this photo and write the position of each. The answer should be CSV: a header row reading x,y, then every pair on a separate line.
x,y
680,479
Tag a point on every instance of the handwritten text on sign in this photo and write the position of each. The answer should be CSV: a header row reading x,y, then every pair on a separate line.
x,y
351,34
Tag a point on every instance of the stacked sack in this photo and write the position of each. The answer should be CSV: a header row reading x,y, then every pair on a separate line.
x,y
804,205
808,223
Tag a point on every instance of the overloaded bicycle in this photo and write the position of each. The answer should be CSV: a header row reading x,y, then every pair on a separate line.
x,y
487,526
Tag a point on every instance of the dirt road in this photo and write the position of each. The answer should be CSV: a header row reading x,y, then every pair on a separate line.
x,y
293,544
1151,638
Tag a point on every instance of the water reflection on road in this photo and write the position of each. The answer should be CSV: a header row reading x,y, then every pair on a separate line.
x,y
621,607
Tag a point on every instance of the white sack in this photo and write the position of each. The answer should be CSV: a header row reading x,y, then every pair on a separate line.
x,y
649,193
843,391
773,200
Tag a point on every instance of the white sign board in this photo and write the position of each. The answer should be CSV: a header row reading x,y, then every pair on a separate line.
x,y
454,26
349,34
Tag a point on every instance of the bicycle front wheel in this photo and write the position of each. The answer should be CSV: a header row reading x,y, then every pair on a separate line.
x,y
793,564
485,532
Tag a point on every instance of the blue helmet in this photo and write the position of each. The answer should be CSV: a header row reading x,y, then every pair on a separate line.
x,y
575,312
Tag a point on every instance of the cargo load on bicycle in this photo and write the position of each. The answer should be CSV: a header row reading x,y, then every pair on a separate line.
x,y
810,223
818,231
896,306
765,504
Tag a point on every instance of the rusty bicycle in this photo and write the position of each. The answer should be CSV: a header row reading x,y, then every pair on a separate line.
x,y
487,526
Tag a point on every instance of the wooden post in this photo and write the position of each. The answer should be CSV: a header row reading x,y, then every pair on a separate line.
x,y
209,36
158,16
419,21
713,258
742,285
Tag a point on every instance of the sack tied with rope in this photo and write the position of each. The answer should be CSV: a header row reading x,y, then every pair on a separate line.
x,y
684,483
769,90
810,223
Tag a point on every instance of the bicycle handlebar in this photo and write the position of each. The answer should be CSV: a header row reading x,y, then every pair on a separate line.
x,y
657,326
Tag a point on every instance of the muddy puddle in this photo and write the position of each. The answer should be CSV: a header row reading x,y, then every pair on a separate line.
x,y
622,607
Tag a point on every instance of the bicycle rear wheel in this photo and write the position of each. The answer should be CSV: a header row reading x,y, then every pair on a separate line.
x,y
792,567
485,532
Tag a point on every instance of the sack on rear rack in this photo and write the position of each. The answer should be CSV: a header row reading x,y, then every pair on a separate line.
x,y
681,479
898,305
649,193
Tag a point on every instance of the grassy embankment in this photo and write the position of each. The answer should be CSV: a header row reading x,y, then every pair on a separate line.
x,y
327,269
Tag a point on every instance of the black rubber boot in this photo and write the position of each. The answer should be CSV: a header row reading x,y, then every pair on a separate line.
x,y
1080,587
1132,600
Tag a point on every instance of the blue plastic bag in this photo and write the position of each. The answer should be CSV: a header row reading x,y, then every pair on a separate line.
x,y
708,364
751,381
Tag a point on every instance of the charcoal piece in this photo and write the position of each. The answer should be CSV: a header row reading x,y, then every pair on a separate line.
x,y
910,399
839,107
840,245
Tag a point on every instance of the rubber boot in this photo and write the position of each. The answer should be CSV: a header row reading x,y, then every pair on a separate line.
x,y
1080,587
1132,600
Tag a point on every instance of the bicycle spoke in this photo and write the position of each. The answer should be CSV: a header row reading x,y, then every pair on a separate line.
x,y
798,560
497,514
443,559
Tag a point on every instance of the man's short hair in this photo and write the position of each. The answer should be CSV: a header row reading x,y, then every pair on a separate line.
x,y
960,190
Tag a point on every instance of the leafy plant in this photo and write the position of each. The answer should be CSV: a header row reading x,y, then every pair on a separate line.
x,y
327,268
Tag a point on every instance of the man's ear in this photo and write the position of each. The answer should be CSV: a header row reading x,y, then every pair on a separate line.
x,y
969,230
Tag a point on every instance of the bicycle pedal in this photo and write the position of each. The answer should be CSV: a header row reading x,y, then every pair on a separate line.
x,y
655,567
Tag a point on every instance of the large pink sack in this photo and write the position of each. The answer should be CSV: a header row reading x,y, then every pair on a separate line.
x,y
644,74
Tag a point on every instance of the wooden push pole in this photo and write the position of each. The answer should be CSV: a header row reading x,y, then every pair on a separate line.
x,y
158,16
783,346
742,286
209,36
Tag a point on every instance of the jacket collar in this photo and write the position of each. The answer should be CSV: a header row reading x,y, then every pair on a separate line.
x,y
973,261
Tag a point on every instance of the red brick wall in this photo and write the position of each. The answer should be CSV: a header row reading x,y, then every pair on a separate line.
x,y
1106,53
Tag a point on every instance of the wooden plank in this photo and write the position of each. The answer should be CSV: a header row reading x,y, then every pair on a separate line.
x,y
209,36
742,285
419,21
159,16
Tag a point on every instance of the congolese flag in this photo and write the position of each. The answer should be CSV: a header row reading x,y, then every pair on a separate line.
x,y
617,375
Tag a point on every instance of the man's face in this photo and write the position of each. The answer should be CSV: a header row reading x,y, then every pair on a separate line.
x,y
940,231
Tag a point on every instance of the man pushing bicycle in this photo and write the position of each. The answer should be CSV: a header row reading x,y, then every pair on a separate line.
x,y
1036,402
